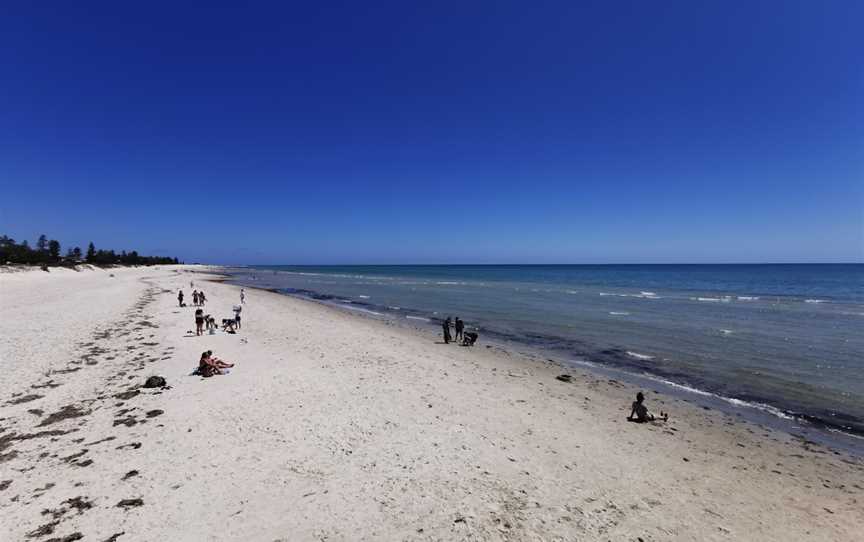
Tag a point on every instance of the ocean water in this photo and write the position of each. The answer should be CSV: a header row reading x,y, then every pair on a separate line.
x,y
787,339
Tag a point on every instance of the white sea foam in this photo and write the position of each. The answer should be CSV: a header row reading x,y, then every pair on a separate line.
x,y
394,308
451,283
620,313
361,309
736,402
815,301
726,331
759,406
417,318
748,298
724,299
363,296
334,275
637,355
640,295
844,433
584,362
571,292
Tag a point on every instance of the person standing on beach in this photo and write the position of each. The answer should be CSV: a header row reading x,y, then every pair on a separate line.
x,y
180,298
446,326
201,298
199,322
242,296
460,325
195,297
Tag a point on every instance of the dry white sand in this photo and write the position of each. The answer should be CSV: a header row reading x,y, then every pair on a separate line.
x,y
334,426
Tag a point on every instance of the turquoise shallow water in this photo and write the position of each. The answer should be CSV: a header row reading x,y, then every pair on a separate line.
x,y
787,338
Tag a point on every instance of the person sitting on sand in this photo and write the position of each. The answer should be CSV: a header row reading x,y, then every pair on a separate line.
x,y
210,365
199,321
639,412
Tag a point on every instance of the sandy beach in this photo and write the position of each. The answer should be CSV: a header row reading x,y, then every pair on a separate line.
x,y
334,426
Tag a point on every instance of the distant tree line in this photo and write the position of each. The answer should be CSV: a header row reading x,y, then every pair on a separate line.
x,y
47,252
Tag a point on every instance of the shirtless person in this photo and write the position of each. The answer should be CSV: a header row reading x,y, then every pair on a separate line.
x,y
639,413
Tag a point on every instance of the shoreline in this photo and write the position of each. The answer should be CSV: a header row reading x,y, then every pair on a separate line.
x,y
807,427
343,427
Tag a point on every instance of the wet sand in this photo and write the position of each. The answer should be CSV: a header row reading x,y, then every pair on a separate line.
x,y
335,426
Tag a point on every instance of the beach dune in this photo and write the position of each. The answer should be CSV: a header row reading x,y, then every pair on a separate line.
x,y
334,426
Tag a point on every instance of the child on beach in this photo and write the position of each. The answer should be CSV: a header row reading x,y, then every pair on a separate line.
x,y
639,412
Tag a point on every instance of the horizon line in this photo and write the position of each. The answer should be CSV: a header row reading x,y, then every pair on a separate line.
x,y
521,264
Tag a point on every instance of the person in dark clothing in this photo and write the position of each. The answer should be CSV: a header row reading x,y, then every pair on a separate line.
x,y
199,321
639,412
460,325
180,298
446,326
470,338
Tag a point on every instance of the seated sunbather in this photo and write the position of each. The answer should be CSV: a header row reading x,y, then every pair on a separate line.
x,y
639,413
210,365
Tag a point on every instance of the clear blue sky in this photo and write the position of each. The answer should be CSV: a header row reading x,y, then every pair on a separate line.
x,y
437,132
